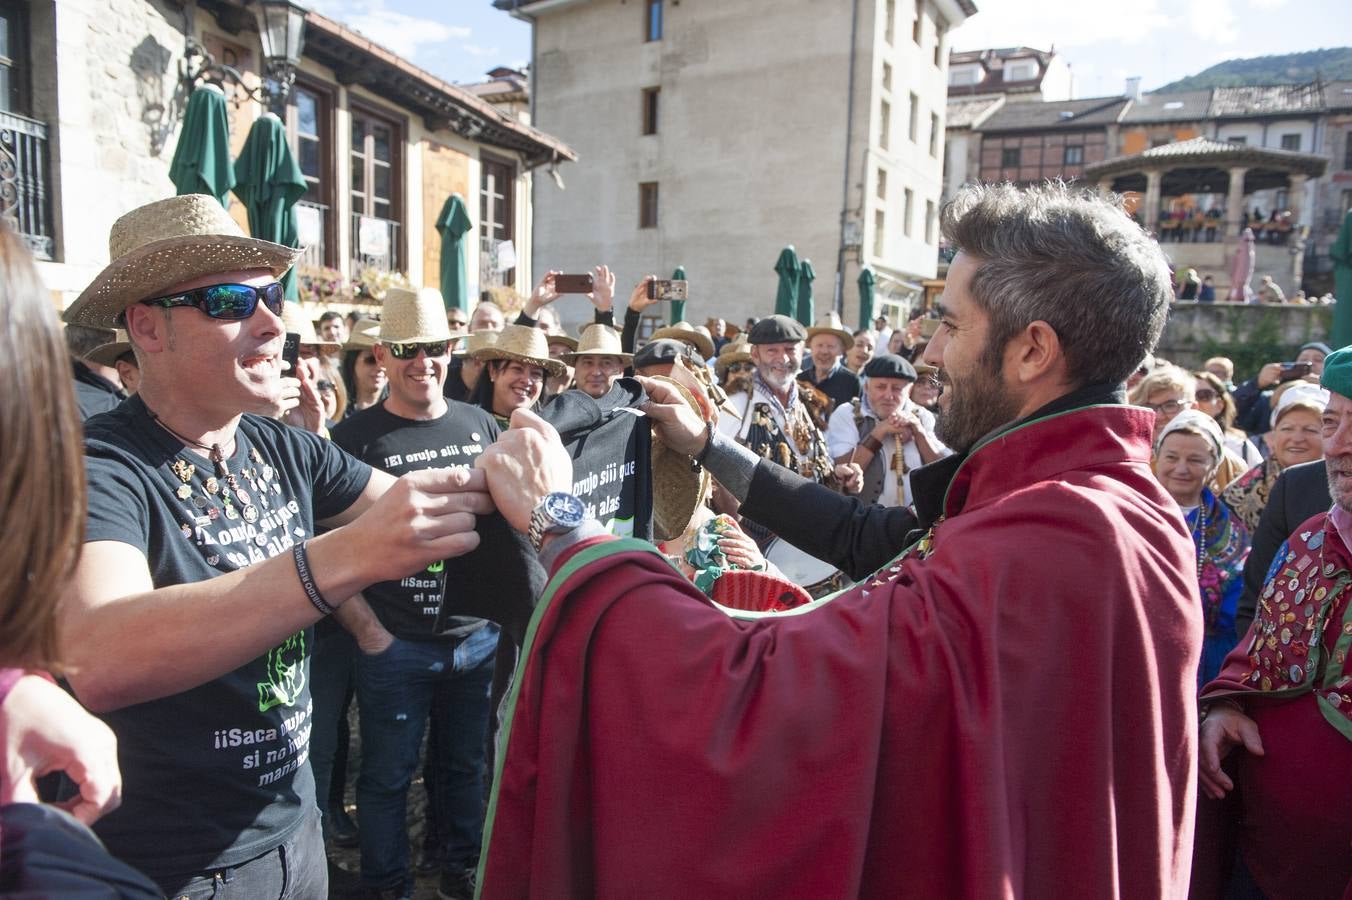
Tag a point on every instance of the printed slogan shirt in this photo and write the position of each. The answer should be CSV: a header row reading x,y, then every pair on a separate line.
x,y
408,608
216,775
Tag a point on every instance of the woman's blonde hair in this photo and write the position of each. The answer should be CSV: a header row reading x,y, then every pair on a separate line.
x,y
42,476
1162,379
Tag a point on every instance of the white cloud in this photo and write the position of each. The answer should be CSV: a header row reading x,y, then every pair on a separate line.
x,y
1267,5
475,50
1213,20
1063,23
399,32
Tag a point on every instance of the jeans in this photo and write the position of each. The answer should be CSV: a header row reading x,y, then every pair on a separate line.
x,y
396,691
296,870
331,687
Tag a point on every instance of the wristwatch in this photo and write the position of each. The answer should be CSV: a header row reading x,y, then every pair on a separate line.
x,y
558,512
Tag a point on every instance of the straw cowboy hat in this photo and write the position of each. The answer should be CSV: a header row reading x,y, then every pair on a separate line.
x,y
524,344
678,487
684,331
831,324
107,354
476,341
165,243
555,338
295,320
599,340
365,333
413,317
737,351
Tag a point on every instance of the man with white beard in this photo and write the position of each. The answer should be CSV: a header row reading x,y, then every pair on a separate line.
x,y
773,419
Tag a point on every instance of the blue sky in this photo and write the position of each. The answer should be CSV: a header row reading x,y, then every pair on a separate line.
x,y
1105,41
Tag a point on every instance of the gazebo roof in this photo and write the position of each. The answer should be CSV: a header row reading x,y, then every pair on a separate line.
x,y
1205,152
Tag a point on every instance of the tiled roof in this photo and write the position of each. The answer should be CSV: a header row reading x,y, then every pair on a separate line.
x,y
1060,114
969,113
1205,151
992,63
1264,100
1186,106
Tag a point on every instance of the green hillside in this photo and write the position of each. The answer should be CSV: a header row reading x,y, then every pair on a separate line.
x,y
1334,64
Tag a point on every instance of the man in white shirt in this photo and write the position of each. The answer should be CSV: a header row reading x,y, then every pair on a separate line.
x,y
884,433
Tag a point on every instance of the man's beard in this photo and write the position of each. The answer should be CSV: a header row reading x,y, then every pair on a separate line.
x,y
1342,466
978,406
778,382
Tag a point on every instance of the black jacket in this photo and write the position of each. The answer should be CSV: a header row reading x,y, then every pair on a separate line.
x,y
1298,493
94,394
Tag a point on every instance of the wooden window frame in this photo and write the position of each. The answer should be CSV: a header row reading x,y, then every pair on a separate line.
x,y
358,108
509,166
20,102
1065,155
651,109
1005,157
328,155
649,211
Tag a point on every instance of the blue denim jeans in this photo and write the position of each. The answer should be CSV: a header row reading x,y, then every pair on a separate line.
x,y
331,687
396,692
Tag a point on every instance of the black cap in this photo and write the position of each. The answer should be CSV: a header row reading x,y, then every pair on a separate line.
x,y
776,330
655,353
889,365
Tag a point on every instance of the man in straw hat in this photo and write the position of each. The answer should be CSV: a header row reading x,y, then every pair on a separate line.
x,y
1003,707
827,342
188,622
409,669
598,360
117,355
97,388
515,367
1280,710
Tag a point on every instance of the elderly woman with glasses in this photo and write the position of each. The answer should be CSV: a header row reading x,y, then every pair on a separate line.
x,y
1187,451
1295,437
1169,390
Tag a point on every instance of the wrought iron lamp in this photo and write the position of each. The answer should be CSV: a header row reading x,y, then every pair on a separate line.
x,y
281,30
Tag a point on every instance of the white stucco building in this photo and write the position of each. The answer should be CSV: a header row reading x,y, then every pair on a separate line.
x,y
710,135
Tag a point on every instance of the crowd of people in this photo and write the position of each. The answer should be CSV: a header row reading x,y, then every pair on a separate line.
x,y
989,603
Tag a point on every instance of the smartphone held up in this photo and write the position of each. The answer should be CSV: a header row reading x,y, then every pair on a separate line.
x,y
668,289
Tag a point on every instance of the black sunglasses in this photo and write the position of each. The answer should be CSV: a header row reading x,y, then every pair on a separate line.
x,y
410,351
226,301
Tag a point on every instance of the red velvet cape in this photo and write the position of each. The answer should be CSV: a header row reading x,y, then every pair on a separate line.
x,y
1011,716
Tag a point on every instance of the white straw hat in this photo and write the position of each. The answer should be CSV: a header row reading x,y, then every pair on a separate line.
x,y
477,340
831,324
365,334
522,343
166,243
599,340
412,317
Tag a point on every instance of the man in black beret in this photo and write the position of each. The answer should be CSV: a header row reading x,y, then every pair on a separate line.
x,y
772,419
657,357
884,432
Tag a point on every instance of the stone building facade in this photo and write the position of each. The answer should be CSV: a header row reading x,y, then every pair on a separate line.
x,y
711,135
94,127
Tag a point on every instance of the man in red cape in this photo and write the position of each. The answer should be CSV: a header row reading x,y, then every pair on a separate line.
x,y
1284,697
1005,708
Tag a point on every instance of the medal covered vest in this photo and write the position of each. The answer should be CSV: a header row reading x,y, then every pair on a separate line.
x,y
1298,645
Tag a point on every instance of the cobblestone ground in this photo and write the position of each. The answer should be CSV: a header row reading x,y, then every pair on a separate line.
x,y
350,858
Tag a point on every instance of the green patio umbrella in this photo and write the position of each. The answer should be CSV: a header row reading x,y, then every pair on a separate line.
x,y
201,163
786,298
806,275
452,225
678,306
866,282
269,182
1341,253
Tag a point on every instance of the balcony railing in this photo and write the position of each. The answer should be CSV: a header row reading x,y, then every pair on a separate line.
x,y
375,243
311,219
24,197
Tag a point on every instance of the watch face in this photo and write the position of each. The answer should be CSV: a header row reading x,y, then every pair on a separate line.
x,y
564,509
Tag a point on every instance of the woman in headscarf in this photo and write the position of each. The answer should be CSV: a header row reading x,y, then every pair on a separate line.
x,y
1294,438
1187,451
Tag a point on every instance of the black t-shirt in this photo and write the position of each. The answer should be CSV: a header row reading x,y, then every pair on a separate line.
x,y
408,607
841,385
216,775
